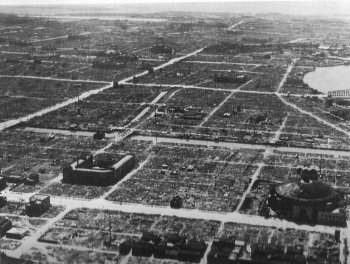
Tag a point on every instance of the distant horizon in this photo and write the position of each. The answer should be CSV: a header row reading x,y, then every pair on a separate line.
x,y
131,2
282,7
34,2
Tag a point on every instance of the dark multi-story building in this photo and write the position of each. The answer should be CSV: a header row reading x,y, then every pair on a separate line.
x,y
5,225
87,172
38,204
169,248
2,183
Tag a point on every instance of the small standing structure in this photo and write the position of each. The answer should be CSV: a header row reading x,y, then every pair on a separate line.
x,y
5,225
17,233
38,204
176,202
3,184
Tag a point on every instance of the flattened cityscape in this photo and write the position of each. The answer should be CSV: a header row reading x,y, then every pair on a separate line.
x,y
173,138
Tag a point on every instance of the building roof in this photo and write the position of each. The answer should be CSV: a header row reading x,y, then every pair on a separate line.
x,y
312,191
39,197
3,220
17,231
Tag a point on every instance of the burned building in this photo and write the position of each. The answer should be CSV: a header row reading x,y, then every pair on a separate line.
x,y
225,250
125,247
161,49
312,201
99,135
90,171
33,179
3,201
193,113
169,247
17,179
176,202
2,183
5,225
17,233
268,253
38,204
223,78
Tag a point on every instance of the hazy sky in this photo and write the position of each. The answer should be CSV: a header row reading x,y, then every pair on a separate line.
x,y
55,2
312,7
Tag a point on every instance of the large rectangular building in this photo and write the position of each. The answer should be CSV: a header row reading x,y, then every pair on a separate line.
x,y
84,172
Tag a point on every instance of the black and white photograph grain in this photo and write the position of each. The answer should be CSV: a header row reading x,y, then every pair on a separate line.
x,y
174,132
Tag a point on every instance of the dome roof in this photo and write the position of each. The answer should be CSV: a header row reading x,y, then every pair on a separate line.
x,y
316,190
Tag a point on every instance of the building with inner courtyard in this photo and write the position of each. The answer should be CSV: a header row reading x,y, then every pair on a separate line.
x,y
98,172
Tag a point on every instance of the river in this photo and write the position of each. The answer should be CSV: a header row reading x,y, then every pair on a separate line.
x,y
325,79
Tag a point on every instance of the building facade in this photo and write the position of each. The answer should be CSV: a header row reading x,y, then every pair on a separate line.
x,y
38,204
84,172
310,202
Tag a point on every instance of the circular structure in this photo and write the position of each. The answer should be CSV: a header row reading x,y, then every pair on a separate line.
x,y
305,201
312,192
